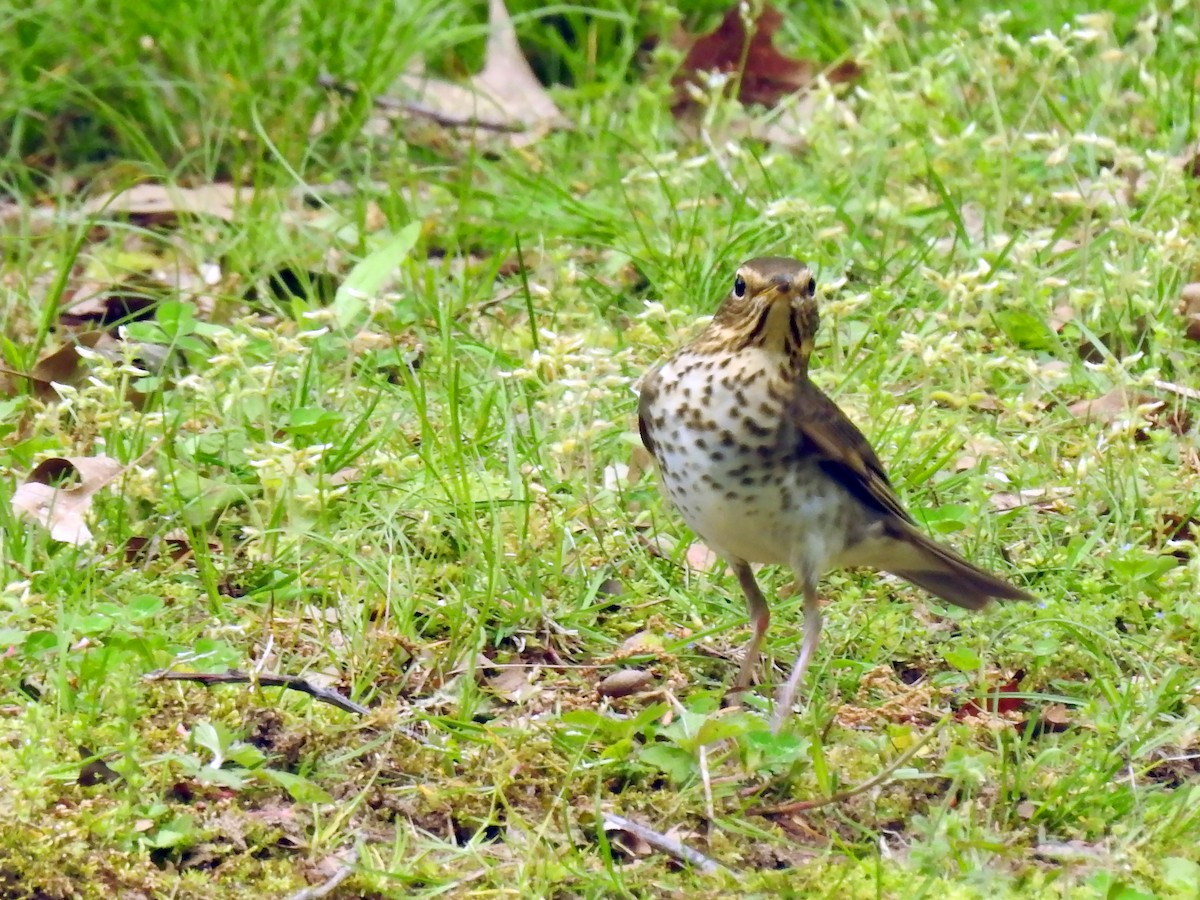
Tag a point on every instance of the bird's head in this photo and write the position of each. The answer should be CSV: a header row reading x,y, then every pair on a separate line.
x,y
771,304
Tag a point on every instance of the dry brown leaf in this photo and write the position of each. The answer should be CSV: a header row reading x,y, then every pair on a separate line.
x,y
95,770
786,126
61,366
505,96
1060,316
1110,407
975,449
164,200
1189,308
701,558
128,300
641,461
345,475
1111,195
647,641
633,845
624,682
765,75
1055,717
971,215
47,498
1188,159
514,682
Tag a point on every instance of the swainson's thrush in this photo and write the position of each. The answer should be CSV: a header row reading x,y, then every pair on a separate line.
x,y
765,468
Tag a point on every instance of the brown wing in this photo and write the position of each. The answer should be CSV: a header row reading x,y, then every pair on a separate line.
x,y
843,452
646,396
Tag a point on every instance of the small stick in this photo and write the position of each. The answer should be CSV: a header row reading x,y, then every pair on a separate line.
x,y
264,679
706,781
667,845
1190,393
842,796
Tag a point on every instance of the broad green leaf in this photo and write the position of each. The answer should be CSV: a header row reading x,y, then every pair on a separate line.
x,y
179,831
372,271
204,497
298,787
963,658
676,763
310,420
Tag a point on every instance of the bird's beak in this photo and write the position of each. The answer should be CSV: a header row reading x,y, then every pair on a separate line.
x,y
781,285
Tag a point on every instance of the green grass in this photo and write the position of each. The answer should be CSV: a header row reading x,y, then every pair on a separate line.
x,y
419,500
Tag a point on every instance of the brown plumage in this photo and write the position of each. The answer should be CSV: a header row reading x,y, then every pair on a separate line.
x,y
767,469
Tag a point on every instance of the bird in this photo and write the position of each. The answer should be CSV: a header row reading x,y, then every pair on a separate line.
x,y
765,468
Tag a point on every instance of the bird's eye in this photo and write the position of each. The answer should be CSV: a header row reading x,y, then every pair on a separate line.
x,y
812,286
739,286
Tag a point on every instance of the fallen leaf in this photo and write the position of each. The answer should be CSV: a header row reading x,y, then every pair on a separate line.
x,y
95,771
641,461
763,74
345,475
1060,316
506,96
610,587
1188,159
971,232
48,499
1189,308
159,201
131,299
976,448
1116,404
514,682
1105,194
174,545
647,641
60,366
701,558
631,844
996,704
624,682
1055,717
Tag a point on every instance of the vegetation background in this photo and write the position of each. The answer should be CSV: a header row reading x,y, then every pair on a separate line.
x,y
345,393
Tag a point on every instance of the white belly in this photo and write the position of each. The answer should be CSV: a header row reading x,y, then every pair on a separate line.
x,y
746,494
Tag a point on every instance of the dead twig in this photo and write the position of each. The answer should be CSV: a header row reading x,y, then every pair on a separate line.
x,y
1178,389
661,842
843,796
263,679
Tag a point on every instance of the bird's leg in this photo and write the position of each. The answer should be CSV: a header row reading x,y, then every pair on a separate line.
x,y
760,617
812,634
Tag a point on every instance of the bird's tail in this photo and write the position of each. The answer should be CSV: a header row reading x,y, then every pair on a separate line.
x,y
945,574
